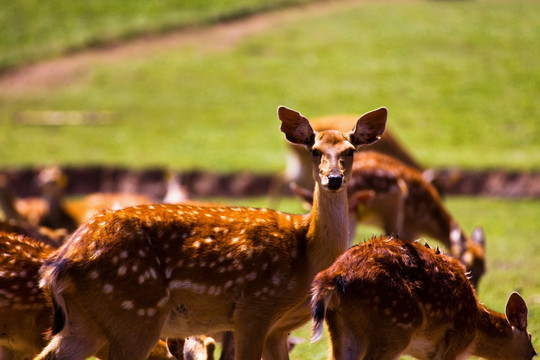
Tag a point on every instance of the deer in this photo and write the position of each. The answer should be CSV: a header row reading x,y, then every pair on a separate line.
x,y
25,310
404,203
298,162
387,297
174,271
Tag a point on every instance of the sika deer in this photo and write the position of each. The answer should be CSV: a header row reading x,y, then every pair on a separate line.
x,y
25,311
388,297
179,270
299,161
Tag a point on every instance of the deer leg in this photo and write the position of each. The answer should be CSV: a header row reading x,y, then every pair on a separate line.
x,y
344,344
387,345
276,347
249,334
136,346
66,346
248,344
227,346
395,210
79,339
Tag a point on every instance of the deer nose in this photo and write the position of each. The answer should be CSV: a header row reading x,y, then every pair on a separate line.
x,y
334,182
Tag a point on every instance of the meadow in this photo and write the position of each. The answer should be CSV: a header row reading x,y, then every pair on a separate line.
x,y
34,30
460,79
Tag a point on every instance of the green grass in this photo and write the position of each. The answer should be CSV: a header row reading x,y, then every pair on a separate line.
x,y
459,78
33,30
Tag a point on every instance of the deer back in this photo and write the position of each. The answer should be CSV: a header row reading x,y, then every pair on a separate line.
x,y
24,310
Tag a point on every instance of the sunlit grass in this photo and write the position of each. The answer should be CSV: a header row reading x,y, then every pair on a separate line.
x,y
459,79
35,30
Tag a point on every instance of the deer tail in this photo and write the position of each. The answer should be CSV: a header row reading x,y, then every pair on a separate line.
x,y
319,302
52,284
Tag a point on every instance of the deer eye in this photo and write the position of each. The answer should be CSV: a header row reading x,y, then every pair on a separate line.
x,y
315,153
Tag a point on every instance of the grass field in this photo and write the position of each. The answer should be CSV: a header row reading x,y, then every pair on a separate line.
x,y
35,30
460,78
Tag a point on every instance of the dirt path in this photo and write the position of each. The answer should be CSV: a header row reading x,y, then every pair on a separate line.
x,y
61,71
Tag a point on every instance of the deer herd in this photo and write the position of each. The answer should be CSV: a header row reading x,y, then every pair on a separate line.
x,y
130,277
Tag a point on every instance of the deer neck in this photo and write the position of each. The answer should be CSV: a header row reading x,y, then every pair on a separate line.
x,y
492,328
328,230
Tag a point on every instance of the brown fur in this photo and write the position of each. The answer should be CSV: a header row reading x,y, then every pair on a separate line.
x,y
24,311
388,297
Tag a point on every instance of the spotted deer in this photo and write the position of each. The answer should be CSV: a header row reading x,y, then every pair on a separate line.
x,y
403,203
178,270
388,297
25,311
298,164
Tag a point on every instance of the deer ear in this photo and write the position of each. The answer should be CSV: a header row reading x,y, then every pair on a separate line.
x,y
516,311
296,127
478,237
369,127
456,239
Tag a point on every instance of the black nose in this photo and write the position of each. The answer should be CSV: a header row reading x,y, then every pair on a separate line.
x,y
334,182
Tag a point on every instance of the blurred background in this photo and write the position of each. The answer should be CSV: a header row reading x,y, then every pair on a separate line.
x,y
192,87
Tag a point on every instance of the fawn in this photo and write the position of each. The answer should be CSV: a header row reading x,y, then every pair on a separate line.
x,y
179,270
385,192
387,297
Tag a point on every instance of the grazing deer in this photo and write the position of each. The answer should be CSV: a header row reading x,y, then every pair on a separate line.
x,y
403,203
179,270
409,206
388,297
